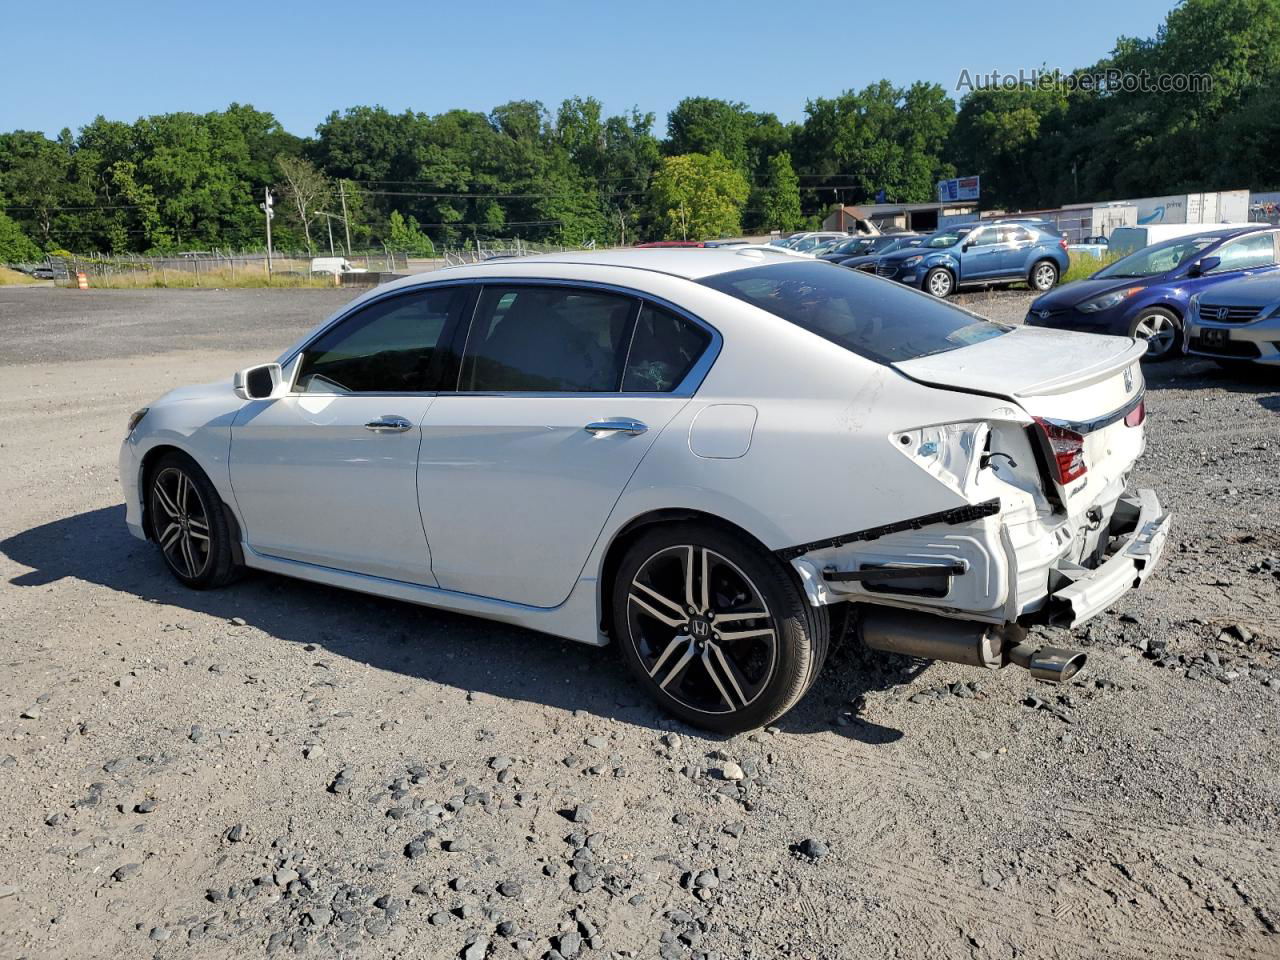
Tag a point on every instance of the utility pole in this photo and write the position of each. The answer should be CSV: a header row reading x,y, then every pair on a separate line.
x,y
329,221
346,224
269,213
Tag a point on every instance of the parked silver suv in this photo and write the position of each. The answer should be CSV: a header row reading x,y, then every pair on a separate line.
x,y
1237,321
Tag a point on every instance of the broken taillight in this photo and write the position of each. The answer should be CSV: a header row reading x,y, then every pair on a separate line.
x,y
1068,450
1136,416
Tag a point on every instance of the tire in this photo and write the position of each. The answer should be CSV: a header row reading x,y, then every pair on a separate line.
x,y
939,282
1043,276
688,662
1162,329
189,523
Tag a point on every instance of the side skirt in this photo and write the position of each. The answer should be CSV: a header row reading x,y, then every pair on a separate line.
x,y
575,619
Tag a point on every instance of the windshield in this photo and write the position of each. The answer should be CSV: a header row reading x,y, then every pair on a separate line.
x,y
884,322
1158,258
808,243
881,244
852,246
944,238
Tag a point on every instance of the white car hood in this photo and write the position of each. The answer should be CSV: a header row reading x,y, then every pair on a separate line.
x,y
197,391
1027,362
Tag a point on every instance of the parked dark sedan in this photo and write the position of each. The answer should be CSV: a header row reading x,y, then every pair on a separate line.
x,y
848,248
1145,294
867,261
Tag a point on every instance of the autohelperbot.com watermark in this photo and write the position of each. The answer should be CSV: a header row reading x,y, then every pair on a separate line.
x,y
1101,81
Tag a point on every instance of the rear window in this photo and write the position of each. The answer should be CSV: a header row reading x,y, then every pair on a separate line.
x,y
877,319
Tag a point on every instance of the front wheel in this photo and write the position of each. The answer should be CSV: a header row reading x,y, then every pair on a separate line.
x,y
715,628
1162,331
189,524
1044,275
939,282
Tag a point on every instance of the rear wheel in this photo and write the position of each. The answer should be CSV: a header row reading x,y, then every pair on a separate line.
x,y
1161,329
939,282
189,523
1044,275
715,628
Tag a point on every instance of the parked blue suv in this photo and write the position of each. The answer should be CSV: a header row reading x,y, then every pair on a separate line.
x,y
980,254
1145,294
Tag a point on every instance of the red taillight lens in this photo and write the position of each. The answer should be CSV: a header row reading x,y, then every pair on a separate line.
x,y
1068,450
1136,416
1062,242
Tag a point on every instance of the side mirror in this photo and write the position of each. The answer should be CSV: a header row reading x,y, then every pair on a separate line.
x,y
258,383
1204,265
964,247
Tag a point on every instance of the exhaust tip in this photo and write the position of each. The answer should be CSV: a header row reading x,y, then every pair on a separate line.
x,y
1051,664
1056,664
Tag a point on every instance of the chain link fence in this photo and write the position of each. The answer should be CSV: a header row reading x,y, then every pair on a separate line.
x,y
217,268
225,268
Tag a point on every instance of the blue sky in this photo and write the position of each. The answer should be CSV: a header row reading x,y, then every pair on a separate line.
x,y
300,60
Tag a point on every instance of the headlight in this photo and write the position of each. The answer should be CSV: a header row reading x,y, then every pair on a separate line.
x,y
911,261
135,418
1108,300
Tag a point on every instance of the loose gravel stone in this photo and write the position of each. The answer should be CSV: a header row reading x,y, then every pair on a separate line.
x,y
812,848
125,872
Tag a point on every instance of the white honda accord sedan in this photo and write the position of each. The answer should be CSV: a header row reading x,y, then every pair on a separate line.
x,y
711,457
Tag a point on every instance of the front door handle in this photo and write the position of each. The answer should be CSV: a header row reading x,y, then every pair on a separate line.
x,y
618,425
390,423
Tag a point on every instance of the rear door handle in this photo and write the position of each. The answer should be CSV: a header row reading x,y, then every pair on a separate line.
x,y
617,425
389,423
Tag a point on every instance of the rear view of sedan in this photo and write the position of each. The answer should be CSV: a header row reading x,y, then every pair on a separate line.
x,y
1237,322
710,458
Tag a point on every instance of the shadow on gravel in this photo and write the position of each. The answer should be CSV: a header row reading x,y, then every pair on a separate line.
x,y
1196,373
463,652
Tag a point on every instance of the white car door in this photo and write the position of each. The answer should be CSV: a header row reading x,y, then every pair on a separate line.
x,y
562,391
328,474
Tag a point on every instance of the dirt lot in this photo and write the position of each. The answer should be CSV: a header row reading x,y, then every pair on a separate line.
x,y
278,768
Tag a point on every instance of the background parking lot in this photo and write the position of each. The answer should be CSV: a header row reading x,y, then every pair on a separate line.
x,y
282,767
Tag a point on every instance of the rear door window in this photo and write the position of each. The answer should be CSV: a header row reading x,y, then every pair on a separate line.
x,y
884,322
546,339
664,349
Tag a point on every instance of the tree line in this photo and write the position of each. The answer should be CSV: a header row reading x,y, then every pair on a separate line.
x,y
411,181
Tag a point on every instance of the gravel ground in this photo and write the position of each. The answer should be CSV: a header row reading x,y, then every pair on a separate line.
x,y
278,768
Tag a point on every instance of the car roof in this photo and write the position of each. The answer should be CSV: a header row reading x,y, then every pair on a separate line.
x,y
689,263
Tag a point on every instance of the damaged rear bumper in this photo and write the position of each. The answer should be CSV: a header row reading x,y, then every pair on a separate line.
x,y
1139,528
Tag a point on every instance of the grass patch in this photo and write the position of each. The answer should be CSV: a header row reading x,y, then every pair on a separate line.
x,y
14,278
221,279
1086,265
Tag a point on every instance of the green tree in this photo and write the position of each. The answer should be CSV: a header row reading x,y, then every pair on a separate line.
x,y
15,246
779,201
696,196
880,138
706,125
405,237
998,134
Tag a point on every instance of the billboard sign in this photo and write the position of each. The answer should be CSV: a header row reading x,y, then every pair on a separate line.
x,y
959,190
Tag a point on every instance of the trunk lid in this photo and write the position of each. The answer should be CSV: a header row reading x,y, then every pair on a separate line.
x,y
1030,362
1075,382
